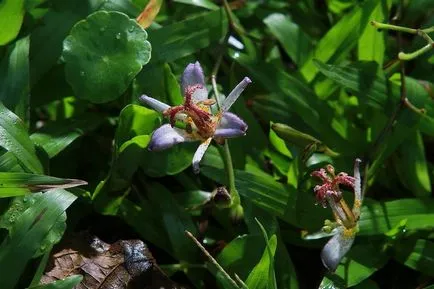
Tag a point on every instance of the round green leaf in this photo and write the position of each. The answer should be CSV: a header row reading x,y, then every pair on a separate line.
x,y
103,53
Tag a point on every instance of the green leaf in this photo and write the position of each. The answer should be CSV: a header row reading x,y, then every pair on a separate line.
x,y
295,42
135,120
199,3
360,263
379,217
175,221
56,136
197,33
11,18
14,77
67,283
340,39
241,255
257,279
28,233
417,255
371,46
16,184
361,79
411,165
261,189
103,54
14,138
168,162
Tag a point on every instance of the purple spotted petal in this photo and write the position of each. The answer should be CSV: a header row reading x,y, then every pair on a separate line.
x,y
166,136
199,154
193,76
154,103
235,93
335,249
231,120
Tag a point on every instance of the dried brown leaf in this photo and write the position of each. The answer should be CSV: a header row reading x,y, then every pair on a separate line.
x,y
125,264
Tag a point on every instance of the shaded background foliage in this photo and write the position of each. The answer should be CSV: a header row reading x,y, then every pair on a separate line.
x,y
71,73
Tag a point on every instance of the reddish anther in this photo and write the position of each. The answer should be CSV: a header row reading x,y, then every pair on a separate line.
x,y
331,184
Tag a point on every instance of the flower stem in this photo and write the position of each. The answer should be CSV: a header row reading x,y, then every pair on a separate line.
x,y
226,153
421,32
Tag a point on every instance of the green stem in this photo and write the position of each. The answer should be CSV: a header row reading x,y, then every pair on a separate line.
x,y
421,32
226,153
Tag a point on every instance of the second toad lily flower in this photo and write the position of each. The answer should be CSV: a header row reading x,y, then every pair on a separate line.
x,y
345,226
200,123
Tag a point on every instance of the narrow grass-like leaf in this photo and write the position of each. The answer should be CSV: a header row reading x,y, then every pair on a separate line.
x,y
56,136
14,77
16,184
14,138
411,165
417,255
197,33
199,3
257,279
295,42
28,232
340,39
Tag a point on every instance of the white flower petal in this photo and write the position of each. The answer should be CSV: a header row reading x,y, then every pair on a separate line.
x,y
154,103
166,136
200,94
199,154
335,249
235,93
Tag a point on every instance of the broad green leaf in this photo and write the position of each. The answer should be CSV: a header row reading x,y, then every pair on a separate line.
x,y
175,221
197,33
371,46
16,184
411,165
168,162
135,120
340,39
11,18
14,138
67,283
199,3
147,224
103,54
259,277
300,98
379,217
110,192
360,263
417,255
241,255
56,136
261,189
361,79
295,42
28,232
14,77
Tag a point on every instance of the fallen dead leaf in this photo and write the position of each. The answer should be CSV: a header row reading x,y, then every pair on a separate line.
x,y
125,264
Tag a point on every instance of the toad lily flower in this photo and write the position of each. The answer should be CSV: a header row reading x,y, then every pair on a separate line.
x,y
345,226
200,123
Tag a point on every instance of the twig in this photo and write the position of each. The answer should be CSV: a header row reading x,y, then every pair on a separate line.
x,y
211,259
